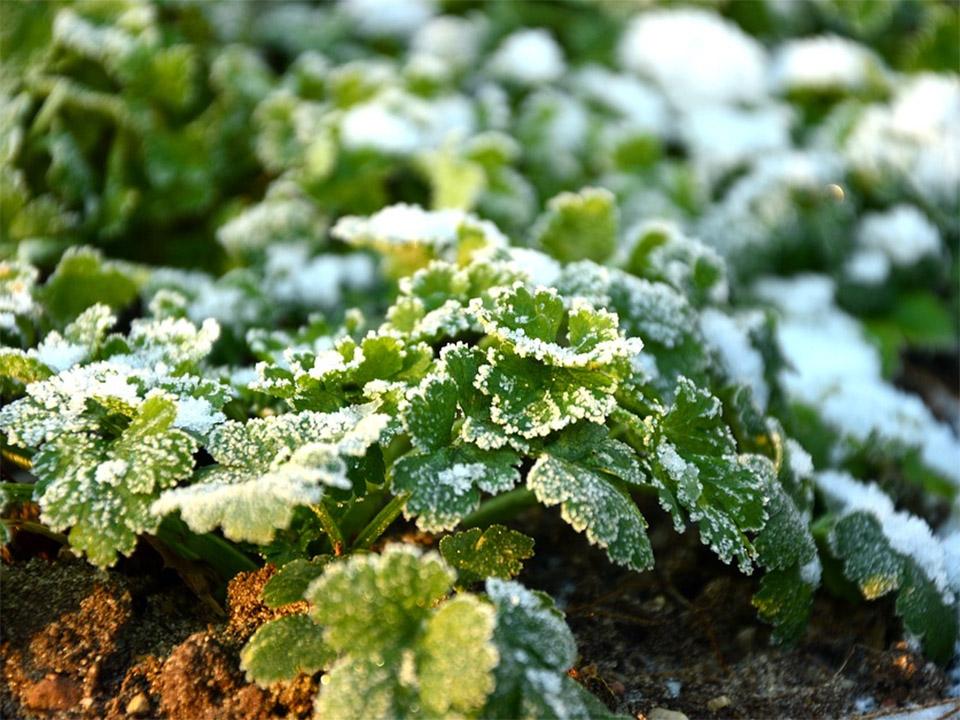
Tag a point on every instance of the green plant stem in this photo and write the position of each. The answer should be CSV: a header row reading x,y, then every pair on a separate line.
x,y
381,521
330,527
500,507
35,528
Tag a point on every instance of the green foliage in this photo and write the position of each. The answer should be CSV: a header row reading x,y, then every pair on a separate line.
x,y
102,488
283,648
476,554
579,226
400,652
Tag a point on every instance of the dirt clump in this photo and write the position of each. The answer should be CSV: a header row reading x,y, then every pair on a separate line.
x,y
82,643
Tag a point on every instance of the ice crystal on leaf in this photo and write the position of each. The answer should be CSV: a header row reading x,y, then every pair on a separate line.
x,y
536,649
883,550
388,619
102,488
267,467
590,475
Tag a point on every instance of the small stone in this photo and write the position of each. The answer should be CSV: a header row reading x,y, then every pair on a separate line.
x,y
54,692
718,703
139,704
659,713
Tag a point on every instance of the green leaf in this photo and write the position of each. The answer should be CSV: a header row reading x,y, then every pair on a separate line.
x,y
696,459
431,411
445,485
290,582
83,278
478,554
455,657
784,600
536,649
102,490
579,226
404,647
268,467
589,484
283,648
869,560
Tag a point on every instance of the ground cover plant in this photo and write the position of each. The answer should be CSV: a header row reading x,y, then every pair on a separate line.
x,y
282,284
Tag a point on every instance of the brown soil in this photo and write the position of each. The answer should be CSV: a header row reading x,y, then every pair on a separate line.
x,y
78,643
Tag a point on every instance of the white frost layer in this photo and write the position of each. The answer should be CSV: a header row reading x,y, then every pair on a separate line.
x,y
453,39
293,277
402,224
915,140
695,56
825,62
721,137
730,337
636,101
906,533
528,57
378,18
838,371
902,233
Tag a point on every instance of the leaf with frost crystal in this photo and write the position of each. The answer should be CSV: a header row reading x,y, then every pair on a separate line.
x,y
536,650
445,485
330,379
579,226
430,412
410,236
553,366
462,363
695,456
588,475
102,489
870,560
786,548
283,648
476,554
402,644
653,311
269,466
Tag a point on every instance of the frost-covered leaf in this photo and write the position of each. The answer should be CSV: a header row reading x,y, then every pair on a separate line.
x,y
267,467
283,648
329,379
401,644
536,650
411,236
659,251
588,475
476,554
102,489
885,550
455,657
579,226
786,549
291,581
723,491
652,311
430,412
445,485
251,504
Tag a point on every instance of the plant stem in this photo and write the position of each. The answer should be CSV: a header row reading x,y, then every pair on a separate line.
x,y
380,522
500,507
35,528
21,461
330,527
